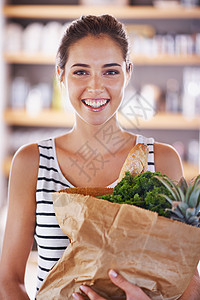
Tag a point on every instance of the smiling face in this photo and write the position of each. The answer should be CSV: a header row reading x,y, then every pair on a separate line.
x,y
95,76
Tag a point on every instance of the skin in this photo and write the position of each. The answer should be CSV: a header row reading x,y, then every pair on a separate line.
x,y
93,81
131,291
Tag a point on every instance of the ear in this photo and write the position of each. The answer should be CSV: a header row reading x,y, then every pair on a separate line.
x,y
60,73
129,73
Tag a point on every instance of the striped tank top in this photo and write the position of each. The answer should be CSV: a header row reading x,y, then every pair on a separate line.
x,y
51,241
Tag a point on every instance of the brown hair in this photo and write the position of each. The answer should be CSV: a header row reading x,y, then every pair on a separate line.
x,y
93,25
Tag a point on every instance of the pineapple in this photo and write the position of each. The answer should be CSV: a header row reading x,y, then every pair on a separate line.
x,y
185,200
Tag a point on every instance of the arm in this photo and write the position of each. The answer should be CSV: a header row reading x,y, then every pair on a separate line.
x,y
18,238
167,161
193,290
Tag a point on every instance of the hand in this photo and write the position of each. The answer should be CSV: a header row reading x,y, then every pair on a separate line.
x,y
132,292
193,290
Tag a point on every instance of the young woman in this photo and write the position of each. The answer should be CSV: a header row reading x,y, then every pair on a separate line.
x,y
94,67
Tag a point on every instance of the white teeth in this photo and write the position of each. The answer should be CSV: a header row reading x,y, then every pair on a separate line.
x,y
95,104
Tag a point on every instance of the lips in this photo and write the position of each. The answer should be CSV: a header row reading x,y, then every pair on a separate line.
x,y
95,103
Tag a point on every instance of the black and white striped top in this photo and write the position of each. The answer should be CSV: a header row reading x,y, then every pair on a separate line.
x,y
150,144
50,239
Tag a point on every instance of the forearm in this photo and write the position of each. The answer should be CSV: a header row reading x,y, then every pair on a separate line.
x,y
193,290
12,290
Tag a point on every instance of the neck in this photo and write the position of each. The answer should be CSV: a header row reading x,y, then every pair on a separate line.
x,y
97,135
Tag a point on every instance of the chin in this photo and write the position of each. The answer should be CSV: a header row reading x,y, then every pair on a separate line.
x,y
95,120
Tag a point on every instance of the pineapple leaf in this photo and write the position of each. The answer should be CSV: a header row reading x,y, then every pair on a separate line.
x,y
197,207
193,220
193,187
177,212
178,219
188,193
194,198
190,212
170,186
183,207
183,185
167,198
181,194
197,181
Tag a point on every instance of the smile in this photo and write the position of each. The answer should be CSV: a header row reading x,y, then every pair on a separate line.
x,y
95,103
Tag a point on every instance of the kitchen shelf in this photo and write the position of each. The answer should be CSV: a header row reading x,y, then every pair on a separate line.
x,y
24,58
75,11
162,121
166,60
47,118
31,59
53,118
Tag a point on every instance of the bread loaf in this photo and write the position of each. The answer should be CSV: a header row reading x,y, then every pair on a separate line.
x,y
91,191
136,161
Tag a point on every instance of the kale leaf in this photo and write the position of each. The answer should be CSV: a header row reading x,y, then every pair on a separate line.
x,y
144,191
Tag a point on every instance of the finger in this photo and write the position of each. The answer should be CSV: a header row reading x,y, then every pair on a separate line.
x,y
120,281
131,290
77,296
90,293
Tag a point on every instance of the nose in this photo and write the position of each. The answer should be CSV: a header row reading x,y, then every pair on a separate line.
x,y
95,84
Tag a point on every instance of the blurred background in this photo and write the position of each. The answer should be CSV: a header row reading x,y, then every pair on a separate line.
x,y
164,91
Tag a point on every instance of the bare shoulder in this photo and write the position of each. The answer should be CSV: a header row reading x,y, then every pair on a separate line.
x,y
167,161
26,155
25,163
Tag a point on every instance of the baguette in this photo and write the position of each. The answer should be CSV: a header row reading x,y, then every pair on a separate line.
x,y
91,191
136,161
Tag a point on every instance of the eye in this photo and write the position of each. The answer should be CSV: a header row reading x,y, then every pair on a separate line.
x,y
80,72
111,72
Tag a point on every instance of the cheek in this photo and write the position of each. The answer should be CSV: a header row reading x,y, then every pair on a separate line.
x,y
76,84
74,88
117,86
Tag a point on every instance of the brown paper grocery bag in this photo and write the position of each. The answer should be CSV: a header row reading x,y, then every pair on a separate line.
x,y
158,254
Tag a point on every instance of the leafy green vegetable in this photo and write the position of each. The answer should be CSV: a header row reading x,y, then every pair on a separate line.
x,y
144,191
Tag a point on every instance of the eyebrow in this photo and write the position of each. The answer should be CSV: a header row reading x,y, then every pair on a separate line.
x,y
104,66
